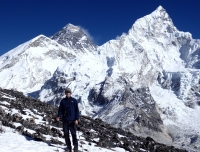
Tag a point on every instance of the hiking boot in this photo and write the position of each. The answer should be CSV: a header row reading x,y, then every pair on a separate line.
x,y
76,149
68,150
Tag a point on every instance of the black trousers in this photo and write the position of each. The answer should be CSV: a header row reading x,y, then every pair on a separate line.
x,y
70,126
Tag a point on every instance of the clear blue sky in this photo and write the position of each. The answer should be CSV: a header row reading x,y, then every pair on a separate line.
x,y
22,20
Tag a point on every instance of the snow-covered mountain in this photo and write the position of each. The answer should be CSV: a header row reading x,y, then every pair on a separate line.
x,y
28,66
146,81
73,37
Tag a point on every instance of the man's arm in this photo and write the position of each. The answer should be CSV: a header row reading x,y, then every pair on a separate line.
x,y
60,111
76,112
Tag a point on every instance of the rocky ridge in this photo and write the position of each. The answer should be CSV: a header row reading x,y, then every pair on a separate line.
x,y
35,119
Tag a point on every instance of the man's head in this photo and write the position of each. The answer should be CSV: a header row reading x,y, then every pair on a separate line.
x,y
68,92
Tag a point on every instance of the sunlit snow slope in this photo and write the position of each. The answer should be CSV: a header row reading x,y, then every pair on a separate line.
x,y
28,66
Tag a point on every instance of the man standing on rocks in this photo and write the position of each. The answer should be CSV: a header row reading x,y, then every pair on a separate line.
x,y
69,112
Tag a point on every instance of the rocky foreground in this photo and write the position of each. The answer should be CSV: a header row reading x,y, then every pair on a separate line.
x,y
35,119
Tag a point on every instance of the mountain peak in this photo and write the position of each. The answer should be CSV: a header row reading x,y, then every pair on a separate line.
x,y
157,22
160,12
73,37
72,28
38,38
159,8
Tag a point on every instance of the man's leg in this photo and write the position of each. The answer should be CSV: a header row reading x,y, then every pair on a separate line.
x,y
72,129
66,128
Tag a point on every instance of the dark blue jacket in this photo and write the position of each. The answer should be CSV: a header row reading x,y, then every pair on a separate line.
x,y
68,109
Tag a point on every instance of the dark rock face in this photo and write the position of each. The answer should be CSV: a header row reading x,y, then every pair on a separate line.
x,y
92,129
136,109
73,37
97,98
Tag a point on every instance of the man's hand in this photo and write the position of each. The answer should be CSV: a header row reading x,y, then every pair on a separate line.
x,y
57,118
76,122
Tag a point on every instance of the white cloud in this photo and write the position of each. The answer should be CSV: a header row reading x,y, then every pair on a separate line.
x,y
86,31
118,37
95,39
